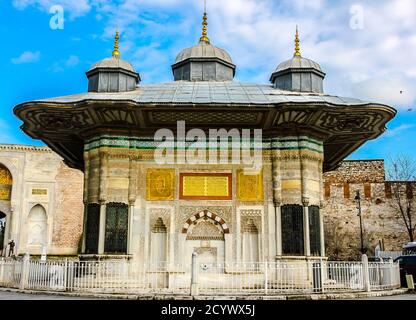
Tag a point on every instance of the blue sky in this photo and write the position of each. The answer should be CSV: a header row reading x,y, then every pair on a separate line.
x,y
366,48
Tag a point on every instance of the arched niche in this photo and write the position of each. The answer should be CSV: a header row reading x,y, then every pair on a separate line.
x,y
37,228
158,244
250,242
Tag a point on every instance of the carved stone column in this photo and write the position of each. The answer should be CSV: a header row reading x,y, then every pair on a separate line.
x,y
86,176
238,234
321,229
306,237
85,197
278,214
101,235
321,216
277,201
103,175
132,200
103,199
7,230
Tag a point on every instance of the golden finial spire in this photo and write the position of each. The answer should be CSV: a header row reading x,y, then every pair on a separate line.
x,y
297,47
116,53
204,37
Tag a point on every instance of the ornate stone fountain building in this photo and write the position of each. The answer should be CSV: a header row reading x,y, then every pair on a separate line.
x,y
147,211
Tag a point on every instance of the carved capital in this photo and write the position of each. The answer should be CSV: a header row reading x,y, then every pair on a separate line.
x,y
277,202
305,201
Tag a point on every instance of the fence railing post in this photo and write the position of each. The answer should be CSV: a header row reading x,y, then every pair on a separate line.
x,y
66,274
366,273
24,276
2,264
194,275
391,273
266,276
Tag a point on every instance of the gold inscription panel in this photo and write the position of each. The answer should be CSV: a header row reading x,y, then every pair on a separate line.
x,y
5,183
5,176
5,193
160,184
40,192
206,186
249,186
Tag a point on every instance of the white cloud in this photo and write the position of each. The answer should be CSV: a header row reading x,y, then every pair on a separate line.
x,y
394,89
374,63
75,9
60,66
27,57
394,131
72,61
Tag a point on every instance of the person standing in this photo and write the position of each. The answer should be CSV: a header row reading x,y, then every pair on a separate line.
x,y
11,247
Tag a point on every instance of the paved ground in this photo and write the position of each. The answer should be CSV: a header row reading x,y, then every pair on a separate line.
x,y
398,297
6,295
27,296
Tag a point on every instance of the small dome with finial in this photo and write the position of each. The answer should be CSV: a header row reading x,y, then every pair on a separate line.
x,y
203,62
112,74
298,74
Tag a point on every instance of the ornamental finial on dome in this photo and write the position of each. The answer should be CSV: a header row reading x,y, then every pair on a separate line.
x,y
204,37
297,47
116,53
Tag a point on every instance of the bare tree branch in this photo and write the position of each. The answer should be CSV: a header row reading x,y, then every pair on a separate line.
x,y
401,171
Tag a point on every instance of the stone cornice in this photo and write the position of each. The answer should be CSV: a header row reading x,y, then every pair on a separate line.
x,y
21,147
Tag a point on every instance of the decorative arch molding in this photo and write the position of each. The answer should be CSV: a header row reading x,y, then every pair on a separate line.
x,y
17,175
9,165
208,214
205,229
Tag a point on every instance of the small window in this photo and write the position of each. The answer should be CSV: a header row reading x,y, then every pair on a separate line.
x,y
292,230
346,190
116,226
314,231
387,190
92,227
367,190
327,190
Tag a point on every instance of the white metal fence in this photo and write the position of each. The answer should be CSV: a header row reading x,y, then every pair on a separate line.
x,y
264,278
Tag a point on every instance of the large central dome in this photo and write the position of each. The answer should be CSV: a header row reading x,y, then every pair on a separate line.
x,y
203,62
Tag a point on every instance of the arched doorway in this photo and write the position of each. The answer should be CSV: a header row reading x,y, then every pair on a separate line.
x,y
6,183
37,229
2,231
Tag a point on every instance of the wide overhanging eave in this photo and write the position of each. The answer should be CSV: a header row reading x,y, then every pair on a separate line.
x,y
342,144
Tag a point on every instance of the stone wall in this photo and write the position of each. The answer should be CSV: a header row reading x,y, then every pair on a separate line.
x,y
380,218
69,208
41,182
